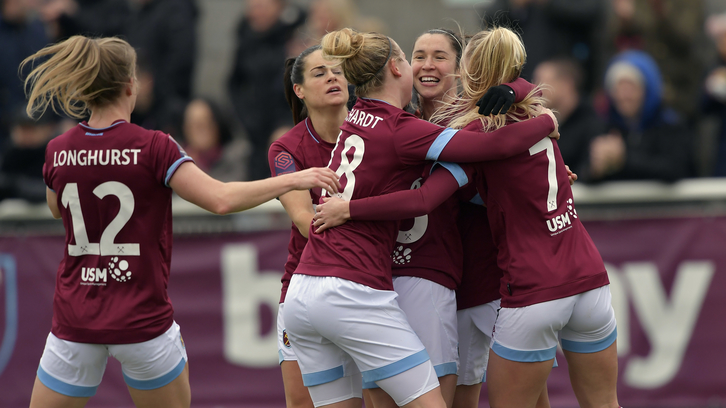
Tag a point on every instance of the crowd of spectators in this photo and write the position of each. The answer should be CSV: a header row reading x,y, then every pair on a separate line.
x,y
632,81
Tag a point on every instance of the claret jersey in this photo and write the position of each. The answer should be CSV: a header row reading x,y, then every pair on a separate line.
x,y
544,250
299,149
115,201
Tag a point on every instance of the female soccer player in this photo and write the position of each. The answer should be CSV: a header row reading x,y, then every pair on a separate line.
x,y
555,283
317,93
340,309
111,183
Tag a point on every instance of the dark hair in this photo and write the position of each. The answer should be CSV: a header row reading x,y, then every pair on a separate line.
x,y
294,74
220,118
454,39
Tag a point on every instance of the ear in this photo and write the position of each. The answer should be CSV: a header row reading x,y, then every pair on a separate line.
x,y
298,91
131,87
393,67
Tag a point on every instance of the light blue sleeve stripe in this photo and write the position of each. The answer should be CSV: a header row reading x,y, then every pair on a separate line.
x,y
175,166
441,141
156,382
524,356
477,200
590,346
323,377
459,174
63,388
398,367
445,369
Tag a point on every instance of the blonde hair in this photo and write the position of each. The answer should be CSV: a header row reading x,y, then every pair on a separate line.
x,y
491,58
81,74
363,57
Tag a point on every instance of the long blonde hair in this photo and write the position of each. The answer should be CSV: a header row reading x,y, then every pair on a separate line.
x,y
81,74
492,57
363,56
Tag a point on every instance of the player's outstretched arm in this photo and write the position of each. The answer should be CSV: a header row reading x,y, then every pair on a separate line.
x,y
195,186
394,206
510,140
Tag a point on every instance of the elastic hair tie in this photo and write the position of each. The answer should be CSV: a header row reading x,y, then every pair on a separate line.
x,y
390,49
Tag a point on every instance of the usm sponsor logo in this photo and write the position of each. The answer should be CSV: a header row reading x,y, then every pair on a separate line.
x,y
94,276
562,222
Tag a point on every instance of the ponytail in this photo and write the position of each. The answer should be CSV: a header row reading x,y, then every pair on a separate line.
x,y
81,74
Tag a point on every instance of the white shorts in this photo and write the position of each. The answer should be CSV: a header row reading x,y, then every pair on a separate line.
x,y
76,369
584,322
339,328
430,309
475,335
284,350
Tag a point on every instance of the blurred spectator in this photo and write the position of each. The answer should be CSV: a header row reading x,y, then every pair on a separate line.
x,y
255,84
579,123
96,18
20,36
208,140
553,29
21,165
325,16
151,112
164,34
714,101
671,32
646,140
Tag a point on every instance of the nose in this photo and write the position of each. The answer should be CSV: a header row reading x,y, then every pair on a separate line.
x,y
428,63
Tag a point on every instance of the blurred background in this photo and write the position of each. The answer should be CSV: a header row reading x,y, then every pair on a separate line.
x,y
640,91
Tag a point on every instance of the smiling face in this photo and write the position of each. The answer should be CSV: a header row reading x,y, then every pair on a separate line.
x,y
324,84
434,65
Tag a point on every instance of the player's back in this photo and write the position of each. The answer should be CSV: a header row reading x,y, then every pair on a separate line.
x,y
116,209
543,247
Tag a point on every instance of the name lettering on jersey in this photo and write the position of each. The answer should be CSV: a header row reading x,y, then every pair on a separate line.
x,y
562,222
364,119
107,157
99,276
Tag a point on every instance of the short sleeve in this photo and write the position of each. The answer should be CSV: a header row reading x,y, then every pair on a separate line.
x,y
281,161
169,156
48,170
417,140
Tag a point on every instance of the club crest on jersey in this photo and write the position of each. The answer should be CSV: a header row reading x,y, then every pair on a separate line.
x,y
562,222
284,163
401,256
119,269
285,339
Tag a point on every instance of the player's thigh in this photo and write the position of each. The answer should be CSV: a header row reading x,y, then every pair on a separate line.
x,y
515,384
175,394
594,377
71,369
296,394
430,309
44,397
467,396
156,368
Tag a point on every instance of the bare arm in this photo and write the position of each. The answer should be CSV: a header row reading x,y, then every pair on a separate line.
x,y
299,208
52,199
195,186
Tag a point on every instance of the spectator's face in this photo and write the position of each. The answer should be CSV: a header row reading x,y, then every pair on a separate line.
x,y
628,96
262,14
14,11
433,64
200,129
546,74
324,85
